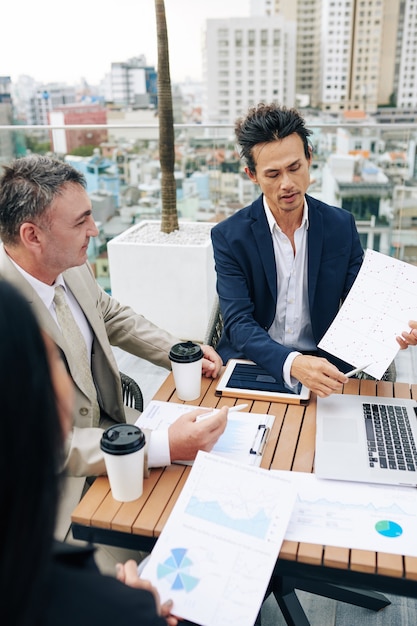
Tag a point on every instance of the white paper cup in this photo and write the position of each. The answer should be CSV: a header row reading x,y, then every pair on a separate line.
x,y
123,447
186,361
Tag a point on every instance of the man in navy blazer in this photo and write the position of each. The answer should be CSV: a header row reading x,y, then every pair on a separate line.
x,y
285,263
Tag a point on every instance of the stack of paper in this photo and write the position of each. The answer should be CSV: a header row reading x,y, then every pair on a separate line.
x,y
217,551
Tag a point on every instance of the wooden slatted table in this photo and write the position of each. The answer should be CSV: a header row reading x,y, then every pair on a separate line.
x,y
291,445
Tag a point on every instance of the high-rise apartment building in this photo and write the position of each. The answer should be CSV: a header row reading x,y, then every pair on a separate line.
x,y
6,118
131,83
247,60
307,14
23,92
48,98
359,52
407,80
351,54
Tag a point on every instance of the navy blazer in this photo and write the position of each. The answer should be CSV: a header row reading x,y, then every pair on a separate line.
x,y
247,279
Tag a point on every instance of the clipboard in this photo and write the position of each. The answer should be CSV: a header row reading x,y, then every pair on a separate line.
x,y
244,439
260,440
246,379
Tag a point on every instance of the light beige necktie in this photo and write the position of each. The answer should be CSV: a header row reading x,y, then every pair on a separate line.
x,y
76,343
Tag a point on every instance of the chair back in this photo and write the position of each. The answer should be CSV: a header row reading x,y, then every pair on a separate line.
x,y
215,325
131,392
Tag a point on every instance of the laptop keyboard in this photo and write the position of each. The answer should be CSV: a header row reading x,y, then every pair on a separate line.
x,y
391,443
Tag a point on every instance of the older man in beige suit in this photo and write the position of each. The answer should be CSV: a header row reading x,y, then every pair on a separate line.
x,y
45,225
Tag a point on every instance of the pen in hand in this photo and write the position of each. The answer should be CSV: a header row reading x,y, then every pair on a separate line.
x,y
237,407
357,370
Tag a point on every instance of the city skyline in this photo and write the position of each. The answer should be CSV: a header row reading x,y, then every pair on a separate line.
x,y
41,41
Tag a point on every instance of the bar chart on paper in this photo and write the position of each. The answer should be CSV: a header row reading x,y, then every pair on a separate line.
x,y
377,309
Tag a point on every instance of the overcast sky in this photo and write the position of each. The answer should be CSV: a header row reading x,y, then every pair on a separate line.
x,y
65,41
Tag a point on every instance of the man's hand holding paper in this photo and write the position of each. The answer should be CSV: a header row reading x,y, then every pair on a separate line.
x,y
408,338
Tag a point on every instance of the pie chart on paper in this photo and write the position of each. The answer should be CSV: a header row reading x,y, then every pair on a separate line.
x,y
387,528
176,569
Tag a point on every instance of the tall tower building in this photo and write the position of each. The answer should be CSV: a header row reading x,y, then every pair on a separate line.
x,y
6,118
391,50
308,17
359,51
247,60
349,52
407,77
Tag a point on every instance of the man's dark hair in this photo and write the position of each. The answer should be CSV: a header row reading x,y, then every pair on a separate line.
x,y
28,186
265,123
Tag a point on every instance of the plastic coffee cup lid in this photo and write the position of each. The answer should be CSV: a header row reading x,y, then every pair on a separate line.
x,y
122,439
186,352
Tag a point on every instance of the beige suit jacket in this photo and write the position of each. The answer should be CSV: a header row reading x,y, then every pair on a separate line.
x,y
111,324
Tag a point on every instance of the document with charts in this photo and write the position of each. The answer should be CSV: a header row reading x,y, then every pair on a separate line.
x,y
381,518
377,309
243,440
217,551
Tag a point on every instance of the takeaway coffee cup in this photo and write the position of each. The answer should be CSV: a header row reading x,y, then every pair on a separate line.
x,y
123,446
186,361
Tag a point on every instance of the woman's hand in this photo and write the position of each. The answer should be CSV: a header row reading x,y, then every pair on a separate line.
x,y
128,574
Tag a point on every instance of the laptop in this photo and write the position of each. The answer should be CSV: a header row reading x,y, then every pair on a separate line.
x,y
367,439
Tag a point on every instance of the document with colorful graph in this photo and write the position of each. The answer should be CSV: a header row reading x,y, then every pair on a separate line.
x,y
381,518
216,553
381,302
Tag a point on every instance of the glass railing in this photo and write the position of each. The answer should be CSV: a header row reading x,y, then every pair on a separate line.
x,y
367,168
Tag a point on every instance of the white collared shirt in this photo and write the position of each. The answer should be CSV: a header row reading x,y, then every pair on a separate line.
x,y
292,324
47,293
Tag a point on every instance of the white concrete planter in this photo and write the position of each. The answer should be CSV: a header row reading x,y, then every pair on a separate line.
x,y
170,279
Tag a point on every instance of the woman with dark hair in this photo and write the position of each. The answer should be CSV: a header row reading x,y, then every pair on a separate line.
x,y
44,582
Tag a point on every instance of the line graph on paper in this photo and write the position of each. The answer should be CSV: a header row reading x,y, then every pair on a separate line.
x,y
377,309
249,507
217,550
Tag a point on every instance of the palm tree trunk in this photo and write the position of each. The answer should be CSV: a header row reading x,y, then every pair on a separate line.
x,y
169,221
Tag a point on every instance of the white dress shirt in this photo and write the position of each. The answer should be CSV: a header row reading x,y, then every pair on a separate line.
x,y
292,324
